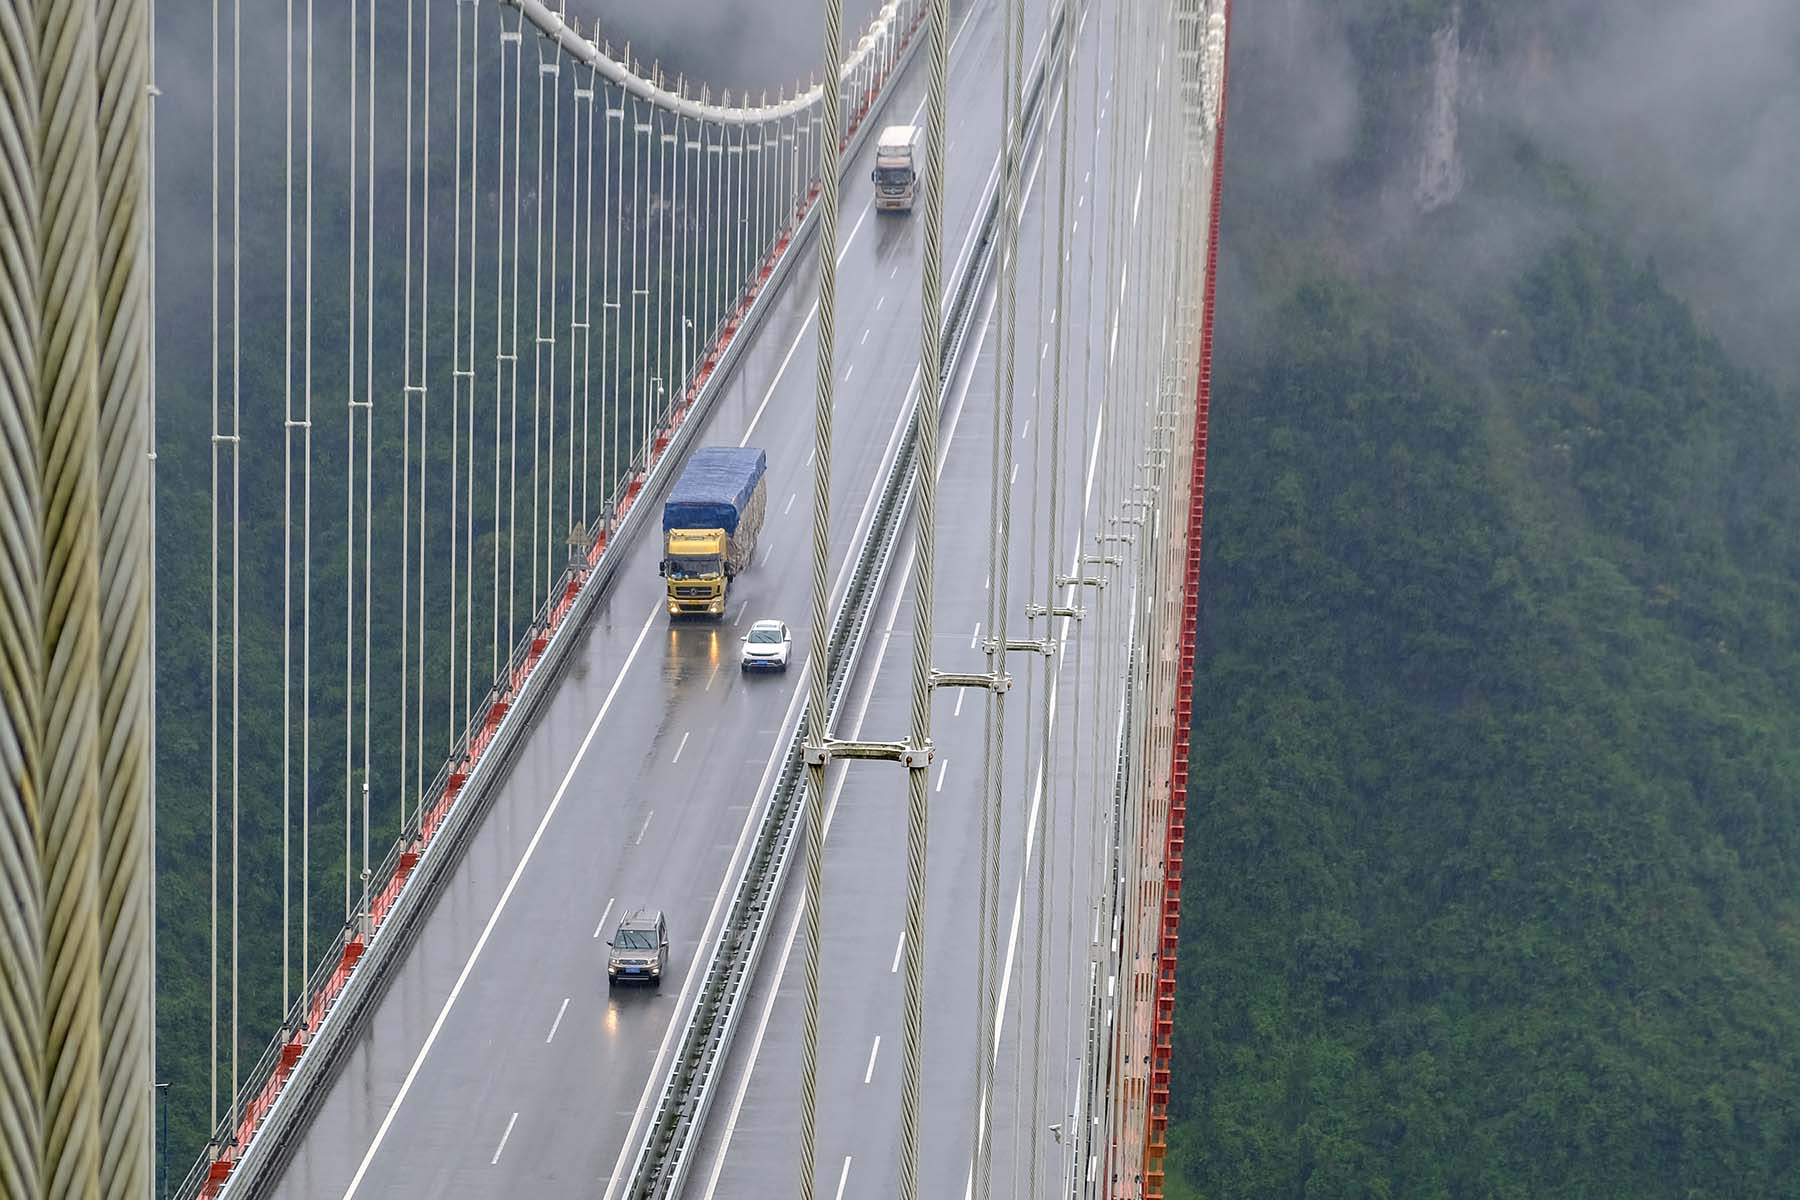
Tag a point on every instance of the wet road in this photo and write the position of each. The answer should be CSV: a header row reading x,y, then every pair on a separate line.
x,y
497,1063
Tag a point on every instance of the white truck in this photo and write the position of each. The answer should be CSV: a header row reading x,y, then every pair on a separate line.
x,y
896,177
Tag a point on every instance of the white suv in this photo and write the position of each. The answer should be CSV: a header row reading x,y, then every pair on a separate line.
x,y
766,647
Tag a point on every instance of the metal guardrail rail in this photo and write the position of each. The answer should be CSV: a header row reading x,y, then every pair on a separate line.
x,y
664,1153
256,1171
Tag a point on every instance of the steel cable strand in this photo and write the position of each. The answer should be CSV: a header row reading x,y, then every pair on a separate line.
x,y
995,753
1024,1140
1097,839
817,672
125,668
918,810
1120,816
68,835
287,520
1056,469
21,617
406,422
1003,578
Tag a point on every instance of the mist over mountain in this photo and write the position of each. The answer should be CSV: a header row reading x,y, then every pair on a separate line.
x,y
1493,838
1676,120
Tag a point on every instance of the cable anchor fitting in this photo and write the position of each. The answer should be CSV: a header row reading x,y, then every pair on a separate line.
x,y
904,753
1030,645
995,681
1034,611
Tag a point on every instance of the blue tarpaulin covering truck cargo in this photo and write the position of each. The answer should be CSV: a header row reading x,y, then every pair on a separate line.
x,y
710,523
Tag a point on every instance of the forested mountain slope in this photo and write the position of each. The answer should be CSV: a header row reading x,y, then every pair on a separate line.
x,y
1494,828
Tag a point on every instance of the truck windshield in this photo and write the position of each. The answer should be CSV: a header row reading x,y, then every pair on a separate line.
x,y
893,176
635,939
681,567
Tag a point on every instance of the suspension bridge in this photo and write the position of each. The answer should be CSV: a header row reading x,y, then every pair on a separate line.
x,y
460,334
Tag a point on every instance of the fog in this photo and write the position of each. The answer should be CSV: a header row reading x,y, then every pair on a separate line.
x,y
1687,117
1681,120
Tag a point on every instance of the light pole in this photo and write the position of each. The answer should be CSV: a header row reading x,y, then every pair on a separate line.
x,y
687,363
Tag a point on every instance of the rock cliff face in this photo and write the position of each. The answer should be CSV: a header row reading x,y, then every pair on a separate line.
x,y
1439,178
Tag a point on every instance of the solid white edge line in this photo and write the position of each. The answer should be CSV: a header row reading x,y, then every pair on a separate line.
x,y
462,978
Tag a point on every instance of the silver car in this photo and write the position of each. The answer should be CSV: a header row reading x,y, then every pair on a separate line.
x,y
640,948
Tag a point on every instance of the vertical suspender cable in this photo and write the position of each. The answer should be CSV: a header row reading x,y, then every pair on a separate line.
x,y
537,327
817,672
918,811
306,543
615,276
992,791
350,480
462,383
68,462
468,330
22,986
608,288
554,69
406,395
149,136
1048,775
990,785
213,611
237,528
577,321
287,511
665,174
512,349
368,461
424,386
635,379
499,319
458,366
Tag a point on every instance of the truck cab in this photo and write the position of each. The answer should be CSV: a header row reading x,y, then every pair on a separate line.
x,y
896,173
694,564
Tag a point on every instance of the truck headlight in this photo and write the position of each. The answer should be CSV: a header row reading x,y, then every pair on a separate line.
x,y
717,606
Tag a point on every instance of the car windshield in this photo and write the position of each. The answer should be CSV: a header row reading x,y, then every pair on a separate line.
x,y
765,635
681,567
635,939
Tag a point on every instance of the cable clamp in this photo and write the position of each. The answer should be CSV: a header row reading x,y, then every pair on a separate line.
x,y
995,681
904,753
1029,645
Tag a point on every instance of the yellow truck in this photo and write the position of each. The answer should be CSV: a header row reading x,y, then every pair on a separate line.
x,y
710,523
